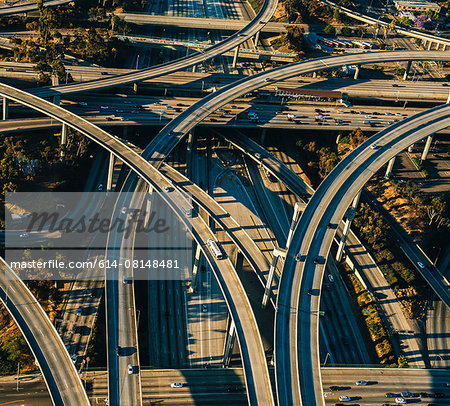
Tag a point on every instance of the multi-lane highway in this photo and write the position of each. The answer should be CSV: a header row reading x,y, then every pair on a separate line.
x,y
253,357
29,6
296,348
261,19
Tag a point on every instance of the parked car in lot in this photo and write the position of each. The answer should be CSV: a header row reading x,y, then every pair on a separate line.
x,y
345,398
361,383
400,401
176,385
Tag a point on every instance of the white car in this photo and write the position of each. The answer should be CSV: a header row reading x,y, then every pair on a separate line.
x,y
345,398
361,383
374,146
204,308
166,189
104,107
258,155
421,266
130,369
176,385
400,401
100,187
330,278
82,103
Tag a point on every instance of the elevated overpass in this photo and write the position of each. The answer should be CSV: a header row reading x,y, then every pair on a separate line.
x,y
445,42
252,353
30,6
58,370
253,27
288,386
296,348
202,23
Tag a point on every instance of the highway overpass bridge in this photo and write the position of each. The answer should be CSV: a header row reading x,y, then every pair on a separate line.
x,y
202,23
296,347
252,353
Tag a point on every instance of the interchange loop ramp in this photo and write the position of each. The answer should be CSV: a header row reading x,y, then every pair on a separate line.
x,y
60,376
261,19
259,389
297,358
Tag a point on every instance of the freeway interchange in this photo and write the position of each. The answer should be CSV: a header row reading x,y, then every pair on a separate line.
x,y
296,356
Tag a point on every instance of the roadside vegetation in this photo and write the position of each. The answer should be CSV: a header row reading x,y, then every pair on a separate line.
x,y
82,29
369,318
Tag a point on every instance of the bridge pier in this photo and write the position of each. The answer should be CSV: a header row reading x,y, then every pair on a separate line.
x,y
263,136
63,141
229,343
407,69
389,168
112,161
198,254
256,40
426,148
358,67
444,47
277,253
410,148
235,57
348,222
299,206
429,46
55,82
135,87
5,108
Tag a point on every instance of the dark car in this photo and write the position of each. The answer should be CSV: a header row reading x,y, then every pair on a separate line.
x,y
334,387
392,395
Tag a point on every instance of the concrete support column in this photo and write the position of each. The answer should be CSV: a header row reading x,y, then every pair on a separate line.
x,y
348,222
198,253
448,98
314,75
444,47
194,68
229,343
430,45
55,82
389,168
297,209
427,148
410,148
235,58
358,67
256,40
263,136
63,141
424,43
5,108
135,87
112,161
407,69
268,288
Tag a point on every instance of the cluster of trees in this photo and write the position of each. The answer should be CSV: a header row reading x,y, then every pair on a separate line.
x,y
355,138
96,44
323,160
294,37
306,10
372,320
375,233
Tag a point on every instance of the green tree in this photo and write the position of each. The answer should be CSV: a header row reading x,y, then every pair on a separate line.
x,y
329,30
337,14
